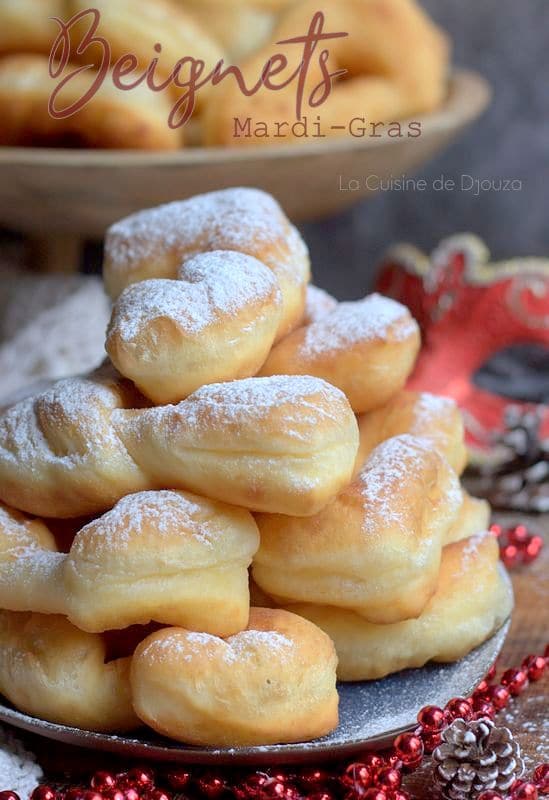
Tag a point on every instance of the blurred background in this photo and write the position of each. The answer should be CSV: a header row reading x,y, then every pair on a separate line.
x,y
506,41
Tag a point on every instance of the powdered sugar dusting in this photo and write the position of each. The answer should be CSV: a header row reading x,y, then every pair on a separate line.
x,y
73,404
240,219
242,646
392,464
375,318
429,406
165,512
318,303
211,287
470,551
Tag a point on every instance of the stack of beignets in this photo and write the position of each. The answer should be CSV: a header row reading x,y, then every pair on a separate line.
x,y
127,529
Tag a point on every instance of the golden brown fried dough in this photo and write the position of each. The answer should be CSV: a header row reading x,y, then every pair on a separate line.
x,y
166,556
376,548
274,682
367,349
474,597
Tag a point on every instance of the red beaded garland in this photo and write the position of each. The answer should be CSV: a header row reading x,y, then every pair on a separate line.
x,y
9,795
375,794
357,776
91,794
110,794
178,779
541,777
532,549
490,794
250,786
211,786
321,796
431,719
44,793
131,794
459,708
157,794
140,778
78,794
491,674
524,791
516,680
409,748
389,779
102,781
400,796
534,666
314,780
431,741
499,696
374,763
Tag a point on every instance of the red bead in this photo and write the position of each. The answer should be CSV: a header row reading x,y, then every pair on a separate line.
x,y
374,763
375,794
400,796
490,794
178,779
102,781
484,710
320,796
357,776
459,708
519,535
526,791
541,777
431,719
491,674
9,795
250,787
516,680
211,786
532,549
534,666
291,793
510,555
78,794
394,761
140,778
389,779
131,794
482,687
272,790
109,794
313,780
409,748
91,794
43,793
499,696
157,794
431,741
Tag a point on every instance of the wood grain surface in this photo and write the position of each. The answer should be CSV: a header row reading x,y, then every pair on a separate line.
x,y
527,716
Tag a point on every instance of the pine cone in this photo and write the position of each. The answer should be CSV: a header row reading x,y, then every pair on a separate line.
x,y
476,756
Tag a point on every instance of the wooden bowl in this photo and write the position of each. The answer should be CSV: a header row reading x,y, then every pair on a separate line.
x,y
65,196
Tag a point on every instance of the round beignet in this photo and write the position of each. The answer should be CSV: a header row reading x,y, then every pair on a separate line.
x,y
434,418
51,670
275,682
154,243
169,557
376,547
366,348
473,599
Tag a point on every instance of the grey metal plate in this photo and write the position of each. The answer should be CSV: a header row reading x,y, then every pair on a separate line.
x,y
371,714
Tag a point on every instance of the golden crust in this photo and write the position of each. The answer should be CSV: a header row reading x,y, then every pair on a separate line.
x,y
274,682
397,61
376,548
366,348
217,322
436,419
155,242
111,120
171,557
474,597
26,26
281,444
474,517
51,670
